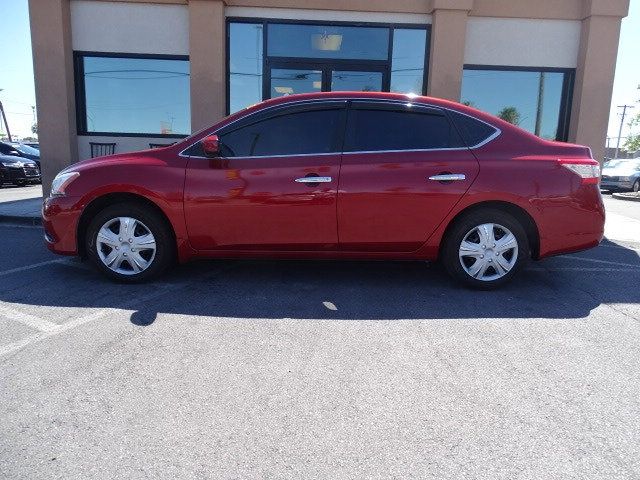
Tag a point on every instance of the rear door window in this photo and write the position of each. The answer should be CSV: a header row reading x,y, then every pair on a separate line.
x,y
374,127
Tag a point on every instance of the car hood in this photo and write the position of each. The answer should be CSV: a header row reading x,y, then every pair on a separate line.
x,y
17,161
146,157
621,170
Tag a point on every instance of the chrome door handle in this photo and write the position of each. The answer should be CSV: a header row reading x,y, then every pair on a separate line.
x,y
313,179
448,177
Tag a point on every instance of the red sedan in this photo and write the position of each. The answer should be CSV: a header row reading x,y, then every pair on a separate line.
x,y
335,175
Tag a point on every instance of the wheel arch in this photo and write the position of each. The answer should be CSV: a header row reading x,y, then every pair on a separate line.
x,y
103,201
519,213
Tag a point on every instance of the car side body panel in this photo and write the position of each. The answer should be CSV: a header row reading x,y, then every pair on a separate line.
x,y
258,204
153,175
386,201
515,168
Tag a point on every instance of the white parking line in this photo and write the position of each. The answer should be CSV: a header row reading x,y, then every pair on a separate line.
x,y
12,347
581,269
96,315
620,247
27,319
33,265
606,262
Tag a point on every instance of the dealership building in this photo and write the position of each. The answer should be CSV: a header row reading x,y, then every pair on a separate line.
x,y
126,75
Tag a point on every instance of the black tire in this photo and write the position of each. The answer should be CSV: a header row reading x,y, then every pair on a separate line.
x,y
636,186
20,183
465,224
153,221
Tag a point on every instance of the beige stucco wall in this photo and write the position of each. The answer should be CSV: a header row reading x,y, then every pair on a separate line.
x,y
593,50
55,91
446,57
207,50
522,42
130,27
594,83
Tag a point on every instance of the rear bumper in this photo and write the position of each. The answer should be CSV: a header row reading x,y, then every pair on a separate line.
x,y
60,217
616,185
573,223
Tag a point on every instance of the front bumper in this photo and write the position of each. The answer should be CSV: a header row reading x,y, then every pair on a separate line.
x,y
21,174
60,216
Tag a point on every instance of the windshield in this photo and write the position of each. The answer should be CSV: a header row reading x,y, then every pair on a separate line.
x,y
626,164
25,149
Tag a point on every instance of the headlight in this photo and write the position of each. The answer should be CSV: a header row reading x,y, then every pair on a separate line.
x,y
62,181
12,164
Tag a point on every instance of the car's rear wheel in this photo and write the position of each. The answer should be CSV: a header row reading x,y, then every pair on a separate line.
x,y
636,186
130,243
485,248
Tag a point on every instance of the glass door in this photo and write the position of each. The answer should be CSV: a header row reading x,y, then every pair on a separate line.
x,y
288,81
289,78
357,80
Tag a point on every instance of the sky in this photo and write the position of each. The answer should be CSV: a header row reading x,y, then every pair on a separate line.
x,y
16,68
625,87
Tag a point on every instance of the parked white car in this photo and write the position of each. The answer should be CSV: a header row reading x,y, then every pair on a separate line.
x,y
621,174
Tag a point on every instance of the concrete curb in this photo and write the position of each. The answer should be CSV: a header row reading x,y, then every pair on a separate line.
x,y
628,198
21,220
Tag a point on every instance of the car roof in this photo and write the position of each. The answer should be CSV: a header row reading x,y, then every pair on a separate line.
x,y
403,97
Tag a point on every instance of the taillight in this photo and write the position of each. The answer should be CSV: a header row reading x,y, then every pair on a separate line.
x,y
587,169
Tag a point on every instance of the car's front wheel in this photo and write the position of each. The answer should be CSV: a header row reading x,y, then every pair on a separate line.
x,y
485,248
130,243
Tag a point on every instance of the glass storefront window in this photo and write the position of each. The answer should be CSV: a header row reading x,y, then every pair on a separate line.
x,y
272,58
407,63
245,65
287,81
328,41
530,99
352,81
135,95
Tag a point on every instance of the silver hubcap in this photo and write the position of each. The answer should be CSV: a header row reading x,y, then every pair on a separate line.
x,y
126,245
488,252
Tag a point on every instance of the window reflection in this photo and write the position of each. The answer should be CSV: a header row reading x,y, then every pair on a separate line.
x,y
328,41
407,64
286,81
351,81
305,57
245,65
530,99
136,95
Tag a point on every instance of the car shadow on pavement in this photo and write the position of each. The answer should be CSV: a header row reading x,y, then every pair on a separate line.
x,y
556,288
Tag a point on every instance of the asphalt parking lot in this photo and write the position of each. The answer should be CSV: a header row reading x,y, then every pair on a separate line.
x,y
265,369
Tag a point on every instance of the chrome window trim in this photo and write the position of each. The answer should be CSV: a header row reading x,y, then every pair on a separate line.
x,y
269,156
406,103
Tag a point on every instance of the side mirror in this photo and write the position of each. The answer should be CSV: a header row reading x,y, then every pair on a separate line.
x,y
211,146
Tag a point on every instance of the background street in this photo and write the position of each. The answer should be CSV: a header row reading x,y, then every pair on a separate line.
x,y
291,369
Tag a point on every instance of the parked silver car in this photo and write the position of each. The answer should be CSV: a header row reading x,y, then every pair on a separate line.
x,y
621,174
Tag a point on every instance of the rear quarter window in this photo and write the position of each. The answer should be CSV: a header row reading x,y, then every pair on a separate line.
x,y
472,130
